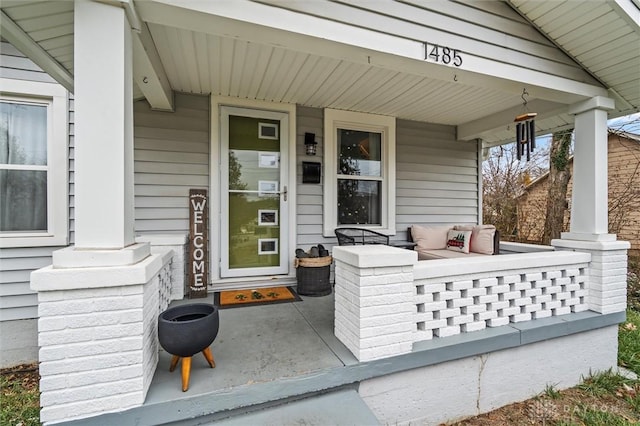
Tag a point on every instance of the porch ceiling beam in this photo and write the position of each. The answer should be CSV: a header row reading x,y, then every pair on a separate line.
x,y
148,72
272,26
485,125
25,44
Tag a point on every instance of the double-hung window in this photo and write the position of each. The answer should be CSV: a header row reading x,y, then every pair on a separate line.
x,y
33,156
359,182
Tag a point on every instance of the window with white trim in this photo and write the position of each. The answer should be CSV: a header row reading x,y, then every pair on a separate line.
x,y
359,178
33,164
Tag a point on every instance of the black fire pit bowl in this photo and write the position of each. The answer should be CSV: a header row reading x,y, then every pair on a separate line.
x,y
188,329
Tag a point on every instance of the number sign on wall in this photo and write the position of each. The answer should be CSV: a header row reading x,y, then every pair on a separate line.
x,y
198,267
442,55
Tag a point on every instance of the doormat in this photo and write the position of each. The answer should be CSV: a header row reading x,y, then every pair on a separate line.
x,y
253,297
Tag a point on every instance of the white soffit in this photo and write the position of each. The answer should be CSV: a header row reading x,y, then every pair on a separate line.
x,y
602,36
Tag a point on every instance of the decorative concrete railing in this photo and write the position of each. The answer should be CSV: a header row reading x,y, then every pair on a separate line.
x,y
177,243
385,300
459,295
510,247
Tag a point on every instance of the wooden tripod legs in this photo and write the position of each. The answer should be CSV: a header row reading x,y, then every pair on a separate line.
x,y
186,366
209,356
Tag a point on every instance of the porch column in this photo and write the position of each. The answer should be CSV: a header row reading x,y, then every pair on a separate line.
x,y
589,209
375,312
103,142
98,303
103,127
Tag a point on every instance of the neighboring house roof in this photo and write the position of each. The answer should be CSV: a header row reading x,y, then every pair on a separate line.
x,y
627,135
326,42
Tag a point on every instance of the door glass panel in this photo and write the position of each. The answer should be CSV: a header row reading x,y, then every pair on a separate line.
x,y
254,192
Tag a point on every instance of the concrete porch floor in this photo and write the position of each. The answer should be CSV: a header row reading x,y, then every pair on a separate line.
x,y
281,364
275,364
258,344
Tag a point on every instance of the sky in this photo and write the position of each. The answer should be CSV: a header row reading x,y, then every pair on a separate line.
x,y
628,123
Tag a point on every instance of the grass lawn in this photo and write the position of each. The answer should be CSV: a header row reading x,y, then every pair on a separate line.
x,y
19,397
604,399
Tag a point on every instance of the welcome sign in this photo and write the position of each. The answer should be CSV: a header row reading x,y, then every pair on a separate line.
x,y
198,267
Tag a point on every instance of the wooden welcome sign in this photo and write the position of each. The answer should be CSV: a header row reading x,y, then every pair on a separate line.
x,y
198,266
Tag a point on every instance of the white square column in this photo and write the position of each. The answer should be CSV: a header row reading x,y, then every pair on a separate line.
x,y
104,214
589,207
98,303
589,229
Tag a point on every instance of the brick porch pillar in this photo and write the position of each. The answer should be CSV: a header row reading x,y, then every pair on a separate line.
x,y
374,307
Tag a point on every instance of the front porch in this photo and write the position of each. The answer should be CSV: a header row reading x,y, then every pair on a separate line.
x,y
293,355
277,357
417,341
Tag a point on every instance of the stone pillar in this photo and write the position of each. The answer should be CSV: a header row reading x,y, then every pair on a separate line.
x,y
374,300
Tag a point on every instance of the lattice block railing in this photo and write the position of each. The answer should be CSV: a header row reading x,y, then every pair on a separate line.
x,y
164,286
446,306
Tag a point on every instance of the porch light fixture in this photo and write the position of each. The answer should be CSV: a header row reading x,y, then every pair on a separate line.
x,y
310,143
525,130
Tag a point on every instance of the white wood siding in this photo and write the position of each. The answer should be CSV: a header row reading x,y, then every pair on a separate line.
x,y
436,177
309,196
71,169
17,300
171,156
18,67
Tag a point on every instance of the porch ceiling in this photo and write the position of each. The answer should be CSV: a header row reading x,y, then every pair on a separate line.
x,y
239,68
599,35
604,37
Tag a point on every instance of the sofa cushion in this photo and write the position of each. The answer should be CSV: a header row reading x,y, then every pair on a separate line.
x,y
458,241
482,237
430,237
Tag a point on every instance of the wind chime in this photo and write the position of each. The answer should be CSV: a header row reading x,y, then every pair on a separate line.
x,y
525,130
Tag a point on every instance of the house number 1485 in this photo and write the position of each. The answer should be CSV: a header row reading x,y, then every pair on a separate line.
x,y
444,55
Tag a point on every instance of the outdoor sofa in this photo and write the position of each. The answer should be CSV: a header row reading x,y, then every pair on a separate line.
x,y
454,241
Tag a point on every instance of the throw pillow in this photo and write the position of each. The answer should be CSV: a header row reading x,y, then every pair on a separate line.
x,y
481,237
458,241
430,237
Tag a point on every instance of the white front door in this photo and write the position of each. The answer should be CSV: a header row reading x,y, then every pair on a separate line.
x,y
254,213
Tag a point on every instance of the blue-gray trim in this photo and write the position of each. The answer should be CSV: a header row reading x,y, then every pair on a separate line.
x,y
239,399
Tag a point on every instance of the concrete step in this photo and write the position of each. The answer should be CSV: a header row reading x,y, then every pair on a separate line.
x,y
344,407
